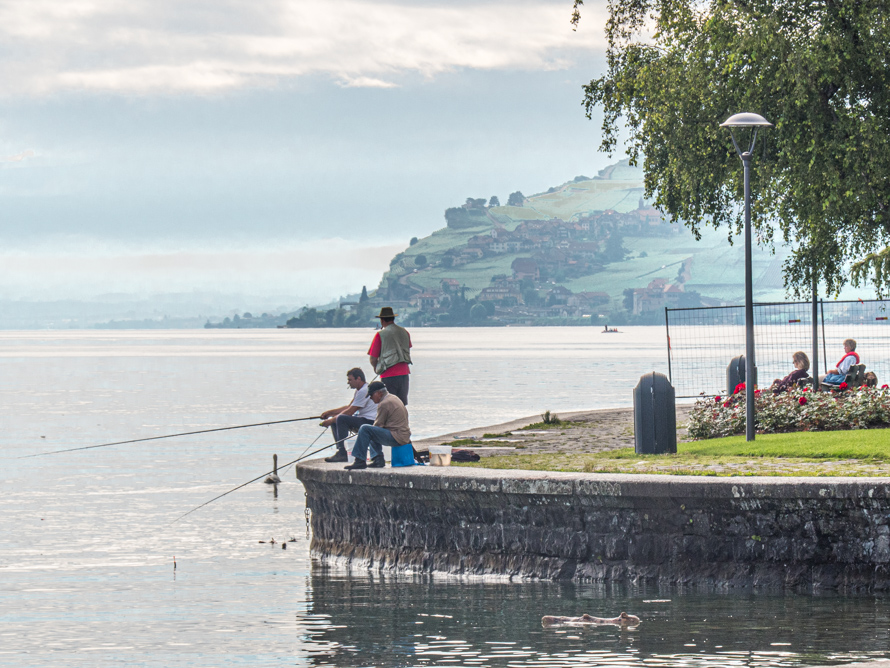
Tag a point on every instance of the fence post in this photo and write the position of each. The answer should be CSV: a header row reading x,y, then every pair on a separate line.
x,y
815,336
667,331
822,310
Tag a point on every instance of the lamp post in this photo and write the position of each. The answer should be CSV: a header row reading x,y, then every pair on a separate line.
x,y
754,122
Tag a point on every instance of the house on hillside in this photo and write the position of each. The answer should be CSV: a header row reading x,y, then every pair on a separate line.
x,y
558,295
425,301
588,300
505,295
659,294
525,267
481,241
586,249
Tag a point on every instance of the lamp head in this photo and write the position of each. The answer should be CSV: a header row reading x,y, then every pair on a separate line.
x,y
742,121
746,120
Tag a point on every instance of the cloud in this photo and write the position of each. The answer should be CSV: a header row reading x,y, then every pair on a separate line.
x,y
19,157
195,46
367,82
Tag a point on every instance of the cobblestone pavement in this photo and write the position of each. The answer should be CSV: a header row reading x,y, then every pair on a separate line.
x,y
586,431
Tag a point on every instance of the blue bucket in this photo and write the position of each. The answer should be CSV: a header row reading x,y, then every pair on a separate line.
x,y
403,455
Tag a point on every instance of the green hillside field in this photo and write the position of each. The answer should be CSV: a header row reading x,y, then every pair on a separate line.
x,y
716,270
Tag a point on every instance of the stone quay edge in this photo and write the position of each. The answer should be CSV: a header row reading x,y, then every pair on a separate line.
x,y
817,533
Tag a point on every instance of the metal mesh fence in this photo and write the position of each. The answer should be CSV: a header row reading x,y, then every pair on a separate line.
x,y
702,341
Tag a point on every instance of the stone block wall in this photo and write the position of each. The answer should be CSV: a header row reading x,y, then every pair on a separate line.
x,y
776,532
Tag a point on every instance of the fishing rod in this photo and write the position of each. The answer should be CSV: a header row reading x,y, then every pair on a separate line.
x,y
185,433
284,470
235,489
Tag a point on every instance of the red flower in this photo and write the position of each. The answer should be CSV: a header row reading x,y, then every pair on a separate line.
x,y
885,387
802,401
756,392
726,404
842,386
739,388
806,389
717,399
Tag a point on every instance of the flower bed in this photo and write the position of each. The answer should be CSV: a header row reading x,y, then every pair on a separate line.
x,y
795,410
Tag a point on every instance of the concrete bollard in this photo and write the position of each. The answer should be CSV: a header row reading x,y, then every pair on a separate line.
x,y
655,416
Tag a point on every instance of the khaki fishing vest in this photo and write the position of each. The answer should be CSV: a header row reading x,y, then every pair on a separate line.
x,y
394,347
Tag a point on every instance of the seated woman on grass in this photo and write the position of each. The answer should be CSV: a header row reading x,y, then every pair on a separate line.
x,y
801,367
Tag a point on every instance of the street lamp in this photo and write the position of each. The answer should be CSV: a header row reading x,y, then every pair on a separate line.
x,y
755,122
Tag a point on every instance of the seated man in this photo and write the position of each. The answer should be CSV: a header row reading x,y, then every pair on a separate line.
x,y
838,375
360,411
390,428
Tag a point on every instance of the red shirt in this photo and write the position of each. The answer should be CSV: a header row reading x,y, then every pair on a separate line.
x,y
400,369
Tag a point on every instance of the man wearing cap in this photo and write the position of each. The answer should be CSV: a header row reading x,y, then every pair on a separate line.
x,y
390,354
390,428
361,410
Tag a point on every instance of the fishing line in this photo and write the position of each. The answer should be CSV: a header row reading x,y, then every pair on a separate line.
x,y
284,470
250,481
185,433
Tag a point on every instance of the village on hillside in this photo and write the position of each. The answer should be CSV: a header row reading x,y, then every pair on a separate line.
x,y
591,251
545,255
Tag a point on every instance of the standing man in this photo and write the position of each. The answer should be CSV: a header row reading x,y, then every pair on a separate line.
x,y
390,428
360,411
390,354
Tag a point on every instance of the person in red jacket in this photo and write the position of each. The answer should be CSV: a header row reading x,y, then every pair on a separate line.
x,y
851,357
390,354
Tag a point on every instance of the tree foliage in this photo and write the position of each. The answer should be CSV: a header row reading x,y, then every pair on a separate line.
x,y
516,199
818,69
459,217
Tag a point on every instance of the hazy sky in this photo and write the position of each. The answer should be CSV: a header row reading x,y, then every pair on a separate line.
x,y
272,145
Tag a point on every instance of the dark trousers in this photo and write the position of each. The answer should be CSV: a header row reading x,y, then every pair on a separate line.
x,y
398,385
343,425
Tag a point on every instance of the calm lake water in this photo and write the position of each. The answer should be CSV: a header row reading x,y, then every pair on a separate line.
x,y
88,543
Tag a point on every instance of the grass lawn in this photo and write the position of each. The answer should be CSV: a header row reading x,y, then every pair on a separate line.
x,y
833,453
856,444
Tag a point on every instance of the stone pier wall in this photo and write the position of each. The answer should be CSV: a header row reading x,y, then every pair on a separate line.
x,y
776,532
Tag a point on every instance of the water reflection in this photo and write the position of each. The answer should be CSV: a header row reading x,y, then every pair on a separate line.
x,y
362,619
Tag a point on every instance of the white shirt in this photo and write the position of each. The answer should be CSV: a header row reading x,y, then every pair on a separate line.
x,y
844,367
366,407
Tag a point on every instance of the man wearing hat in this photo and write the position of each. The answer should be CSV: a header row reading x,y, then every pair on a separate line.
x,y
390,428
391,354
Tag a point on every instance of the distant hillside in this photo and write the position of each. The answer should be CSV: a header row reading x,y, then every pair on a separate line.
x,y
589,250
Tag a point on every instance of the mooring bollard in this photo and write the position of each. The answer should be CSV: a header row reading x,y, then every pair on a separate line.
x,y
655,416
273,479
